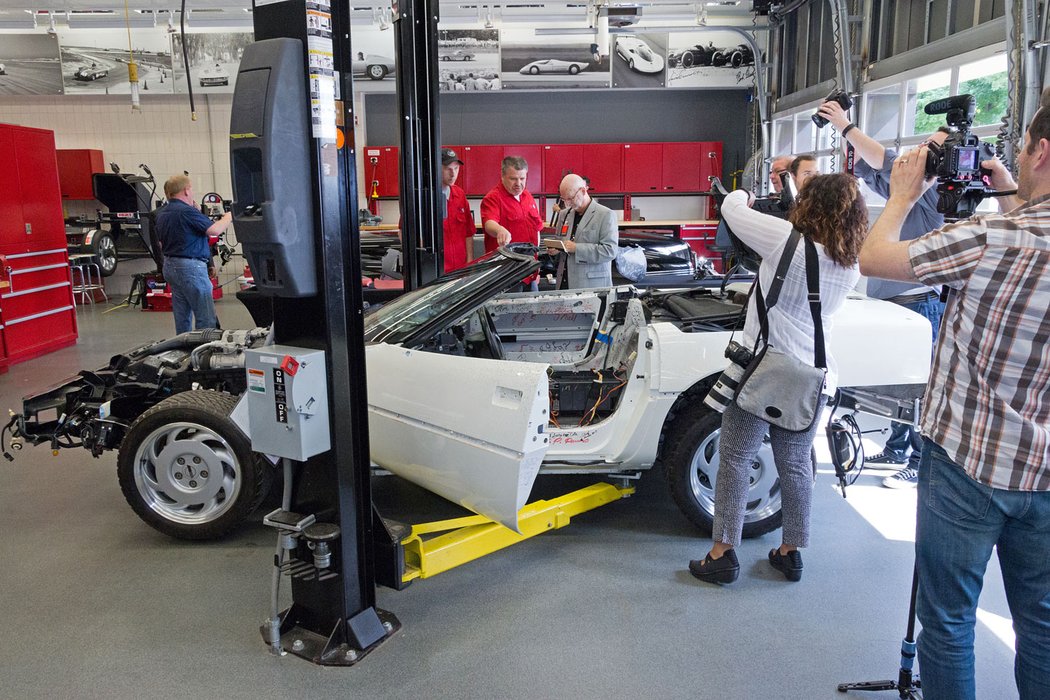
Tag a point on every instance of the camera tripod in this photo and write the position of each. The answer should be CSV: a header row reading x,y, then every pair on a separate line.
x,y
906,685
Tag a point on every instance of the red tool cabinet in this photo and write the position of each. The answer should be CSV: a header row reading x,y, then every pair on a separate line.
x,y
36,299
75,168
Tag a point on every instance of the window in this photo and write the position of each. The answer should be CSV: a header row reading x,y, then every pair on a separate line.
x,y
921,92
986,81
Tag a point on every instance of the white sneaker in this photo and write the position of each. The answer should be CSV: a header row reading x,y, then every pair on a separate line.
x,y
907,478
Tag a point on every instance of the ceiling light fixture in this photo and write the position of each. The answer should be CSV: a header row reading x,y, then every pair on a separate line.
x,y
488,18
51,24
701,14
384,19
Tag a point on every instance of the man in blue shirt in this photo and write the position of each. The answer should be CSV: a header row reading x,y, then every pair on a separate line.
x,y
183,230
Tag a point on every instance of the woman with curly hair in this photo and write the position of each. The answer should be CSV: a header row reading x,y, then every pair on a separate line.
x,y
830,211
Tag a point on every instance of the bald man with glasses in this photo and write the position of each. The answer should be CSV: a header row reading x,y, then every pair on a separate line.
x,y
587,237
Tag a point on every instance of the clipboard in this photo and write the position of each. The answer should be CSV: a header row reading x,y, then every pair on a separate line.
x,y
554,243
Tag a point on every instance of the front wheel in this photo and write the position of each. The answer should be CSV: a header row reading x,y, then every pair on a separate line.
x,y
692,470
104,248
188,471
376,72
687,60
574,69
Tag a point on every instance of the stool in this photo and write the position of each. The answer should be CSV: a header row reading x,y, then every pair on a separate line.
x,y
86,277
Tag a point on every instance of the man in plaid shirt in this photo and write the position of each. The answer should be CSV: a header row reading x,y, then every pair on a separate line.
x,y
984,476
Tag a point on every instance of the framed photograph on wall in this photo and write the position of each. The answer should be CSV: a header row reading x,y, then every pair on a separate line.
x,y
713,59
468,60
373,59
639,60
530,62
30,65
214,57
95,61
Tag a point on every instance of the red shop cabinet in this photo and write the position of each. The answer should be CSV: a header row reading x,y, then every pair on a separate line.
x,y
603,164
481,168
643,167
75,167
681,167
710,163
36,299
382,171
559,161
533,155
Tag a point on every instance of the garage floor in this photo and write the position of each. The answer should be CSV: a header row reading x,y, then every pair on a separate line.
x,y
95,604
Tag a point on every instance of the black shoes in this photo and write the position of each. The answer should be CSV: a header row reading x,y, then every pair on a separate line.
x,y
789,564
725,569
887,457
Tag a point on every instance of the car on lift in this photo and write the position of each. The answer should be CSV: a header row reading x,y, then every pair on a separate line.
x,y
92,72
697,55
639,55
458,55
471,393
372,66
553,65
214,76
735,56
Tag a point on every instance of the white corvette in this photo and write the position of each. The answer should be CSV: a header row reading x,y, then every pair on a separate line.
x,y
638,55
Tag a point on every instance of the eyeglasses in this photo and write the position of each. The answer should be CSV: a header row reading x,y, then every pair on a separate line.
x,y
572,197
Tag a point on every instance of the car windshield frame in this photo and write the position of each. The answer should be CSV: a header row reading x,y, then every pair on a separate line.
x,y
412,315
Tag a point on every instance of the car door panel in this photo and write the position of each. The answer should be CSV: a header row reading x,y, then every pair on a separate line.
x,y
471,430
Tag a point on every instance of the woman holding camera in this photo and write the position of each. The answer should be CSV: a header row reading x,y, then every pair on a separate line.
x,y
830,211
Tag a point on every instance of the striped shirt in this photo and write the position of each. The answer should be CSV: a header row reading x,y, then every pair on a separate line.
x,y
988,400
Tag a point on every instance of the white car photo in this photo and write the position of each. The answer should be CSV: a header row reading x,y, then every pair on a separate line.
x,y
553,65
214,75
638,55
372,66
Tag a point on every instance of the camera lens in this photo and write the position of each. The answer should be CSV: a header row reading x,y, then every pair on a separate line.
x,y
820,121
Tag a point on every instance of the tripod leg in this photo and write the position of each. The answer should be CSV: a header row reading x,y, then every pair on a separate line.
x,y
906,685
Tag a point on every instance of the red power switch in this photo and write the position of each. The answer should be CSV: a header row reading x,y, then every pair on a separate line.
x,y
289,365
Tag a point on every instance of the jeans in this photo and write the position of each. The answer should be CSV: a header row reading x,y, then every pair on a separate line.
x,y
191,300
903,435
959,522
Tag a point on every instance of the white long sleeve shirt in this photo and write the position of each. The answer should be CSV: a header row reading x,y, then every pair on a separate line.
x,y
790,321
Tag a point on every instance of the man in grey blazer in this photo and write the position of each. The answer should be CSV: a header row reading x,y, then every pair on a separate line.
x,y
587,236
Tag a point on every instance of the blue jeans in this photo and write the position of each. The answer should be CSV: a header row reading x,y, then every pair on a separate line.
x,y
959,522
191,300
903,435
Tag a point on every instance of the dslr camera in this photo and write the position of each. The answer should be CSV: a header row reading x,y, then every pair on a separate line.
x,y
957,162
840,96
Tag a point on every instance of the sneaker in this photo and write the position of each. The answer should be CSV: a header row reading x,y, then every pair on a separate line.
x,y
725,569
907,478
886,457
789,564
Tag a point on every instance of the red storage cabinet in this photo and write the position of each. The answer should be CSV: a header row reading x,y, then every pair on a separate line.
x,y
75,167
559,161
36,299
681,167
382,171
643,167
481,168
603,164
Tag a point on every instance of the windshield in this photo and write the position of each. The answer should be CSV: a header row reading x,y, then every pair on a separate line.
x,y
397,320
644,52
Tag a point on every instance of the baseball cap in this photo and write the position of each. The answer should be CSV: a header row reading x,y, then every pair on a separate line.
x,y
449,156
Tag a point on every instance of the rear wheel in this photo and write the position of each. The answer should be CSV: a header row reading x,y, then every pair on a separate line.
x,y
535,70
574,69
692,470
376,72
188,471
687,60
104,248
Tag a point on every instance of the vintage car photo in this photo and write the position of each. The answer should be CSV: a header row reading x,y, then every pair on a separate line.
x,y
214,75
597,381
458,55
553,65
372,66
638,55
92,72
735,56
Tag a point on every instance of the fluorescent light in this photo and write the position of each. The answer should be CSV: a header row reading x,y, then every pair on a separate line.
x,y
25,19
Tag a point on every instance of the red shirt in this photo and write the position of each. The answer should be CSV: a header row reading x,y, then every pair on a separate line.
x,y
519,216
459,229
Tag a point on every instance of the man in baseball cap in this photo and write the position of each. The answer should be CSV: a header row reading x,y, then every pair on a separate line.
x,y
459,226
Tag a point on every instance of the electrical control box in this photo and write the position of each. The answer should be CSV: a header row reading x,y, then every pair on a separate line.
x,y
287,400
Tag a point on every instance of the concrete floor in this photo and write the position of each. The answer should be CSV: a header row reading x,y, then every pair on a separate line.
x,y
96,604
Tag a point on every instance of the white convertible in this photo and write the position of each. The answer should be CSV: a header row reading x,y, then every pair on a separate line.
x,y
471,394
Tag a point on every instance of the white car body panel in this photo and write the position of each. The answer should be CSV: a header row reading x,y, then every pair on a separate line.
x,y
552,65
485,459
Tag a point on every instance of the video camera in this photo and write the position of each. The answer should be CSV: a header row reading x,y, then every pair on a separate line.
x,y
840,96
957,162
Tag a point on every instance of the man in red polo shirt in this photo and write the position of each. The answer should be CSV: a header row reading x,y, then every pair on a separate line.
x,y
459,226
508,211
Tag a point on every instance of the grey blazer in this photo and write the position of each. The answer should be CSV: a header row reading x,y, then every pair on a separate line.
x,y
596,241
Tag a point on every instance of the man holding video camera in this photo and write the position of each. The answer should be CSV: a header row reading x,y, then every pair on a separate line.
x,y
984,475
874,167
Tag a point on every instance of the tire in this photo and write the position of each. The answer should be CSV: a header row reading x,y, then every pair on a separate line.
x,y
104,248
376,71
535,70
187,501
445,58
574,69
737,60
630,64
687,59
692,464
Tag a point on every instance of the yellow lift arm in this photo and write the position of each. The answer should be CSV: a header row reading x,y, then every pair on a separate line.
x,y
470,538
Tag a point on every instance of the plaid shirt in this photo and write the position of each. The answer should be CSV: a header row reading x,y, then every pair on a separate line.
x,y
988,400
